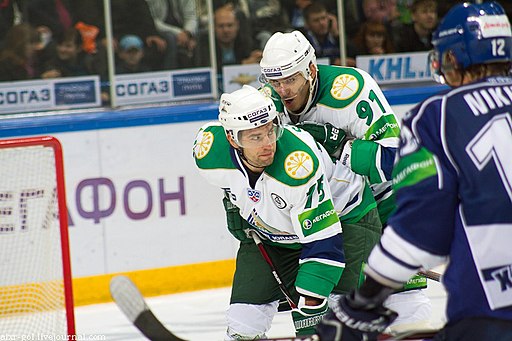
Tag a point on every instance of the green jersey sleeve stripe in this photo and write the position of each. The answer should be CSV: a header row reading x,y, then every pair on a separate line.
x,y
318,278
414,168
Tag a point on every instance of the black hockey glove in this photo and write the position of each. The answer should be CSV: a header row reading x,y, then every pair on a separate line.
x,y
236,224
349,321
327,135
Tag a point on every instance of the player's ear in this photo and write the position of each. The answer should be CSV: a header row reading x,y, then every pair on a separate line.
x,y
450,62
313,69
452,69
232,141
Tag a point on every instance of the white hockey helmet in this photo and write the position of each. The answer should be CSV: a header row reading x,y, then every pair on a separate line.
x,y
247,108
286,54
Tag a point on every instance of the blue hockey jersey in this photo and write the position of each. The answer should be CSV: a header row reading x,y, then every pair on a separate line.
x,y
453,180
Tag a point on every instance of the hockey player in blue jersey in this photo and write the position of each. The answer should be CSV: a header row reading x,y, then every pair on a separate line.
x,y
453,181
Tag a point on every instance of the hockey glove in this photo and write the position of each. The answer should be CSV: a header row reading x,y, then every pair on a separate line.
x,y
327,135
236,224
306,317
349,321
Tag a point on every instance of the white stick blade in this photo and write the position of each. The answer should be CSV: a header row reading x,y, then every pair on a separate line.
x,y
127,296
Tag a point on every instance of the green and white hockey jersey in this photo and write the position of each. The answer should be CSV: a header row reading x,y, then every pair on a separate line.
x,y
291,204
350,99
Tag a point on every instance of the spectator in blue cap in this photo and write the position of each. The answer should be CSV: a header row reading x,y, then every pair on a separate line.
x,y
130,55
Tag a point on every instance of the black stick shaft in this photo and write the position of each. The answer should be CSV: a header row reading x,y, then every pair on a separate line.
x,y
265,255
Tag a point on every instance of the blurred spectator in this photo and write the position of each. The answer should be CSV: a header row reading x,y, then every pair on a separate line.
x,y
231,47
397,16
242,14
321,29
129,17
375,11
385,12
393,11
133,17
49,17
373,38
69,59
294,9
177,21
130,55
417,36
10,14
18,55
266,17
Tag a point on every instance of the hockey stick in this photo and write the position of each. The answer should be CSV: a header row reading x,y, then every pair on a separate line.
x,y
435,276
129,299
131,302
427,273
265,255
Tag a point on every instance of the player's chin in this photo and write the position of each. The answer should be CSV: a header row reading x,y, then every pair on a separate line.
x,y
291,104
266,160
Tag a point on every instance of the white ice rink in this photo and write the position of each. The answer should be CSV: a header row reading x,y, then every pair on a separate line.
x,y
196,316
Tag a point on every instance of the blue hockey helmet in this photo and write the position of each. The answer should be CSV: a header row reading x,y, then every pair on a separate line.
x,y
475,34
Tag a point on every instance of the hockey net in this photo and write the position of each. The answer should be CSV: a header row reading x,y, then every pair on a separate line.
x,y
35,283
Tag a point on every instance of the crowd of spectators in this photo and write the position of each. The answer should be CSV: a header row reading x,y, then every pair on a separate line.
x,y
61,38
231,46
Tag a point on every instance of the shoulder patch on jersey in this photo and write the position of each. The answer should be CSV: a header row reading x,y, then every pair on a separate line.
x,y
339,86
203,144
211,148
345,86
295,161
299,165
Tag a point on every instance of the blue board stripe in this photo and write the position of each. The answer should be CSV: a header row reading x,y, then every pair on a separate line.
x,y
119,118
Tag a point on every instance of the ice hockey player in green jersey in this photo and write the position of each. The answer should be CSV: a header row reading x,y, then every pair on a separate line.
x,y
345,110
288,190
359,214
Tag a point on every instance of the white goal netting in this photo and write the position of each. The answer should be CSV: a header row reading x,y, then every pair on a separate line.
x,y
35,280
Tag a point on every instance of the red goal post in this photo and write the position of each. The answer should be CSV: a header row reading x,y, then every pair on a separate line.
x,y
36,296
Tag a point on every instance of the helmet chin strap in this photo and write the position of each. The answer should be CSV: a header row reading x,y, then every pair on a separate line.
x,y
240,153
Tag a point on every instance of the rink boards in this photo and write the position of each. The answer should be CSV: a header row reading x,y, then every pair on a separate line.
x,y
136,203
